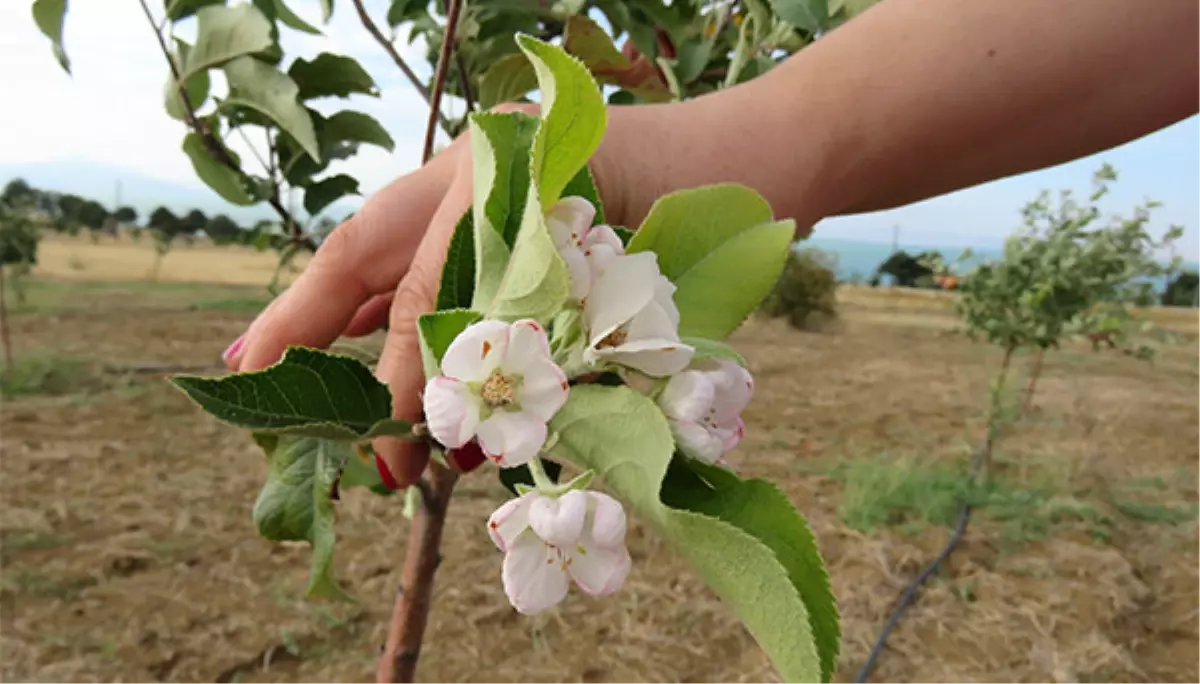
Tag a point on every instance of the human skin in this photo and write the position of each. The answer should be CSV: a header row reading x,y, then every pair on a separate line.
x,y
907,101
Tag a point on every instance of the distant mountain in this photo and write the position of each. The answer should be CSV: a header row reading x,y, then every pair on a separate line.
x,y
144,193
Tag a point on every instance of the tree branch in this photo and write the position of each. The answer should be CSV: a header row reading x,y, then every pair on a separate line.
x,y
439,78
214,146
387,46
398,663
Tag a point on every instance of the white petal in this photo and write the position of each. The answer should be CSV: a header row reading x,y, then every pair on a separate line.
x,y
695,441
688,396
511,438
657,358
510,520
608,521
664,296
580,271
477,351
451,411
734,389
569,219
600,245
543,390
533,575
655,321
600,570
527,344
559,521
622,288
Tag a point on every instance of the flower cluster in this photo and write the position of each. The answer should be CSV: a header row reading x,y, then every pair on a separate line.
x,y
501,384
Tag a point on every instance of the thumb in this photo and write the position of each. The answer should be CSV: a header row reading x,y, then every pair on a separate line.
x,y
400,363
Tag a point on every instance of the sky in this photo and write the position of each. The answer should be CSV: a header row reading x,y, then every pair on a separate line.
x,y
110,112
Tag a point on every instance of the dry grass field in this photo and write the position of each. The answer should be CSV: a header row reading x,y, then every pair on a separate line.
x,y
128,552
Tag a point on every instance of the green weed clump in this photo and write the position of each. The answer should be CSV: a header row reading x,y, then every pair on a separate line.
x,y
806,292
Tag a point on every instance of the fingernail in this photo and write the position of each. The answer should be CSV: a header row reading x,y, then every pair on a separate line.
x,y
385,474
234,348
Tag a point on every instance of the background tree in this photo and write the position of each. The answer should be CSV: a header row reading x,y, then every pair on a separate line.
x,y
222,229
193,222
126,215
1182,290
806,292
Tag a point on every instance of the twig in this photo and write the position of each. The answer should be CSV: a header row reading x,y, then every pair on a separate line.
x,y
464,83
387,46
214,146
1033,378
398,663
979,467
439,77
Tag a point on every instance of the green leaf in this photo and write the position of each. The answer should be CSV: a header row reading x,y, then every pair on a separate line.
x,y
290,19
588,41
437,330
624,233
625,439
759,508
326,10
49,16
181,9
308,393
584,185
716,243
536,283
351,126
717,294
509,78
360,470
330,75
685,226
226,33
229,184
573,118
810,15
295,503
327,191
520,475
712,349
458,273
500,146
263,88
195,88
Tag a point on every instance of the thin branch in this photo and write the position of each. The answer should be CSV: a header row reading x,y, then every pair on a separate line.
x,y
978,471
8,359
464,82
398,663
439,78
389,48
214,146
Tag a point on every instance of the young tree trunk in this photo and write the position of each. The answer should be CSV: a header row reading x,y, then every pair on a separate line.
x,y
8,362
1033,378
398,662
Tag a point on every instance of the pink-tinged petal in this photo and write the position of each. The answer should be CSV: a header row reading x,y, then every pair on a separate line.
x,y
654,357
688,396
619,291
477,351
734,389
600,245
696,441
510,520
730,438
451,411
543,389
608,520
599,570
534,575
580,271
559,521
569,219
527,344
511,438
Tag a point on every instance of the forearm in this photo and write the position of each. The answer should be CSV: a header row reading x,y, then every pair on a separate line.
x,y
919,98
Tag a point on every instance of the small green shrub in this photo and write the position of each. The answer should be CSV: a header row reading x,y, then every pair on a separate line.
x,y
806,293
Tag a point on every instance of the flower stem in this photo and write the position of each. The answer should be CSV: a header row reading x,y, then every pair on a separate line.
x,y
540,479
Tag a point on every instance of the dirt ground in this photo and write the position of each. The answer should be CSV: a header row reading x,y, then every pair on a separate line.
x,y
129,553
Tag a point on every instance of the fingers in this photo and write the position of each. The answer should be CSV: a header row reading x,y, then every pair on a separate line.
x,y
370,316
400,364
362,258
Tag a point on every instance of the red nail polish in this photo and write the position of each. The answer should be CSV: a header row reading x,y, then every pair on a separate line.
x,y
234,348
385,474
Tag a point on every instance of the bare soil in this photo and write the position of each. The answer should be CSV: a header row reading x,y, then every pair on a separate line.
x,y
129,553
